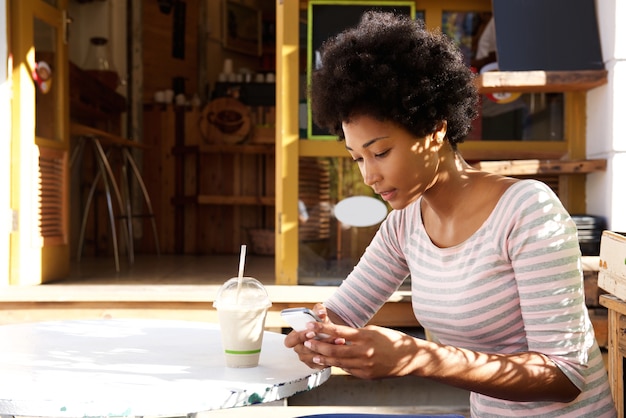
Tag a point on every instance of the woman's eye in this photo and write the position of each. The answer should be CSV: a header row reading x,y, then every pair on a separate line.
x,y
357,159
381,154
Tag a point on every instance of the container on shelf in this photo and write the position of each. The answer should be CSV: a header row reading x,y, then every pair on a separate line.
x,y
98,62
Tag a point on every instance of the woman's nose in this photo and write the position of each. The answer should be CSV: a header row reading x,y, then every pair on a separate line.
x,y
370,175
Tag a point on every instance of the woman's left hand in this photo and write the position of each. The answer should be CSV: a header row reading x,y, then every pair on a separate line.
x,y
369,353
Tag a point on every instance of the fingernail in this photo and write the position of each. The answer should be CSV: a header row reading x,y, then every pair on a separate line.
x,y
307,344
310,335
317,360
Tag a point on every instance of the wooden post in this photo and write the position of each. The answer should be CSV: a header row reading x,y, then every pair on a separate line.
x,y
287,139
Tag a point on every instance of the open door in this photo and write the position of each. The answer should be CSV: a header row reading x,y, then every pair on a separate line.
x,y
5,148
39,243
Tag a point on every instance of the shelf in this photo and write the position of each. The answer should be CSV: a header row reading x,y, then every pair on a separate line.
x,y
322,148
540,81
541,167
225,149
470,150
512,150
235,200
238,148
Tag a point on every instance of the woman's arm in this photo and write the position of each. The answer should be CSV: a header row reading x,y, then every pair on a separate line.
x,y
375,352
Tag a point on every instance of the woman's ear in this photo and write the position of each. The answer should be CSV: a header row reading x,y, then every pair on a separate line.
x,y
440,132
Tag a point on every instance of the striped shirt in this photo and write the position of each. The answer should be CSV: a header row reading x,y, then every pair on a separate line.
x,y
515,285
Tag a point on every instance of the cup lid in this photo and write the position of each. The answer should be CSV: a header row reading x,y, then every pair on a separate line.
x,y
251,293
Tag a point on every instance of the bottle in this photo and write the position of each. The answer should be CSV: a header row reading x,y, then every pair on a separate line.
x,y
98,62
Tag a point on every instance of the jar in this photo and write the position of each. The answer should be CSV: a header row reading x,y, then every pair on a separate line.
x,y
98,62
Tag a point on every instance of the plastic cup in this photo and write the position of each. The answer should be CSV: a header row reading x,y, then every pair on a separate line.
x,y
241,310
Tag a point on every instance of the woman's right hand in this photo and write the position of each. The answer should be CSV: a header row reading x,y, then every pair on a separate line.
x,y
296,339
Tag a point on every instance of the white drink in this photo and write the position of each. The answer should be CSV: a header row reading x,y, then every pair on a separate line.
x,y
242,335
242,305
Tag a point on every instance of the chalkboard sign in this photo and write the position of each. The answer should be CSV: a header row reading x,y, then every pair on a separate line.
x,y
327,18
549,35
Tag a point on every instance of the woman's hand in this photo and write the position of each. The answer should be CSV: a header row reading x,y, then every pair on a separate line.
x,y
297,339
370,353
374,352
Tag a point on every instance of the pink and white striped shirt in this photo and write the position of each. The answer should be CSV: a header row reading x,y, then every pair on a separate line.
x,y
515,285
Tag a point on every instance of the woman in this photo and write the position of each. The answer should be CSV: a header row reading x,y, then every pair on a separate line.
x,y
494,261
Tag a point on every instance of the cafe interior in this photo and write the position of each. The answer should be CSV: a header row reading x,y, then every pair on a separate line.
x,y
173,136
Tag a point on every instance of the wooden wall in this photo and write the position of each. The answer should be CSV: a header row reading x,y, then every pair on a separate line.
x,y
160,66
203,55
207,198
179,176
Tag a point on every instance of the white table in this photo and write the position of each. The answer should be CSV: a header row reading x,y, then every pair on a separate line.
x,y
128,367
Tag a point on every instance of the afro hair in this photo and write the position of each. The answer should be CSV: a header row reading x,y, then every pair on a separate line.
x,y
391,68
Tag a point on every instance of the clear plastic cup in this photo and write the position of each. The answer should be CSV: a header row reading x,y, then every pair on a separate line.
x,y
242,310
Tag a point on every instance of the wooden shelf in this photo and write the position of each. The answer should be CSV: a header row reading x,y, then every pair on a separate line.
x,y
322,148
543,167
238,148
267,149
204,199
540,81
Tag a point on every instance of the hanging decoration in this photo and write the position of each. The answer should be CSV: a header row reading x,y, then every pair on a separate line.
x,y
42,75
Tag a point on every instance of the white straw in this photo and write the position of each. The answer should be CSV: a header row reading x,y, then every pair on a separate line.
x,y
242,261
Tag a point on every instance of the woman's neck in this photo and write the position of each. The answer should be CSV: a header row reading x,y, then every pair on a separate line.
x,y
454,185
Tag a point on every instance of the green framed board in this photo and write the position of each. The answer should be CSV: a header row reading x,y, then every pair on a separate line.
x,y
327,18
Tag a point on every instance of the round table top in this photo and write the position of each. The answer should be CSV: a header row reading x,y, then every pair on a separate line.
x,y
129,367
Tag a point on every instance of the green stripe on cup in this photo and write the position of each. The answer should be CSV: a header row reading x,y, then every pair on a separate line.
x,y
242,352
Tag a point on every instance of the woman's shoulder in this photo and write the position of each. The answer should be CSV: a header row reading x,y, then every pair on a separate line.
x,y
529,190
527,184
527,199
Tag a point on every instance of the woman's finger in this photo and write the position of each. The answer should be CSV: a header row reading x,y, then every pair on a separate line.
x,y
320,311
328,331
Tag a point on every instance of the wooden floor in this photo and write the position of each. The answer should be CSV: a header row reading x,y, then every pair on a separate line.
x,y
169,269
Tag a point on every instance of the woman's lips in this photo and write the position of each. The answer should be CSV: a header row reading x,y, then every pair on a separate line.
x,y
388,195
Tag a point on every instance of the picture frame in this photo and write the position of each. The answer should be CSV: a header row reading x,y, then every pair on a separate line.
x,y
241,28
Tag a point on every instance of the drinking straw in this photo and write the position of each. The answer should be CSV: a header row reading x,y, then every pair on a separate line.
x,y
242,260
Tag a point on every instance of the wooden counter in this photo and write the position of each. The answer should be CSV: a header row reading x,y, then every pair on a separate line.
x,y
186,302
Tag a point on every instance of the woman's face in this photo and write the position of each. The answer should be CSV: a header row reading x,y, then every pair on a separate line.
x,y
393,162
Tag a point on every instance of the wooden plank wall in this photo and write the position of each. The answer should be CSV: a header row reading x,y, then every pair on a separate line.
x,y
159,66
222,228
216,223
158,175
180,170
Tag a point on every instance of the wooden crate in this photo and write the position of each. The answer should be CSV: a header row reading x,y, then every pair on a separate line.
x,y
612,273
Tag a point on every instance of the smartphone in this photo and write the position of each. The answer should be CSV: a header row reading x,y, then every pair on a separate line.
x,y
297,318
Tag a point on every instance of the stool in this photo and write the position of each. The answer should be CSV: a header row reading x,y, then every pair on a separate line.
x,y
96,137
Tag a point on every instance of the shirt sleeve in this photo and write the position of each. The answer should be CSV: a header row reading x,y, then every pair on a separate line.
x,y
380,272
545,255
